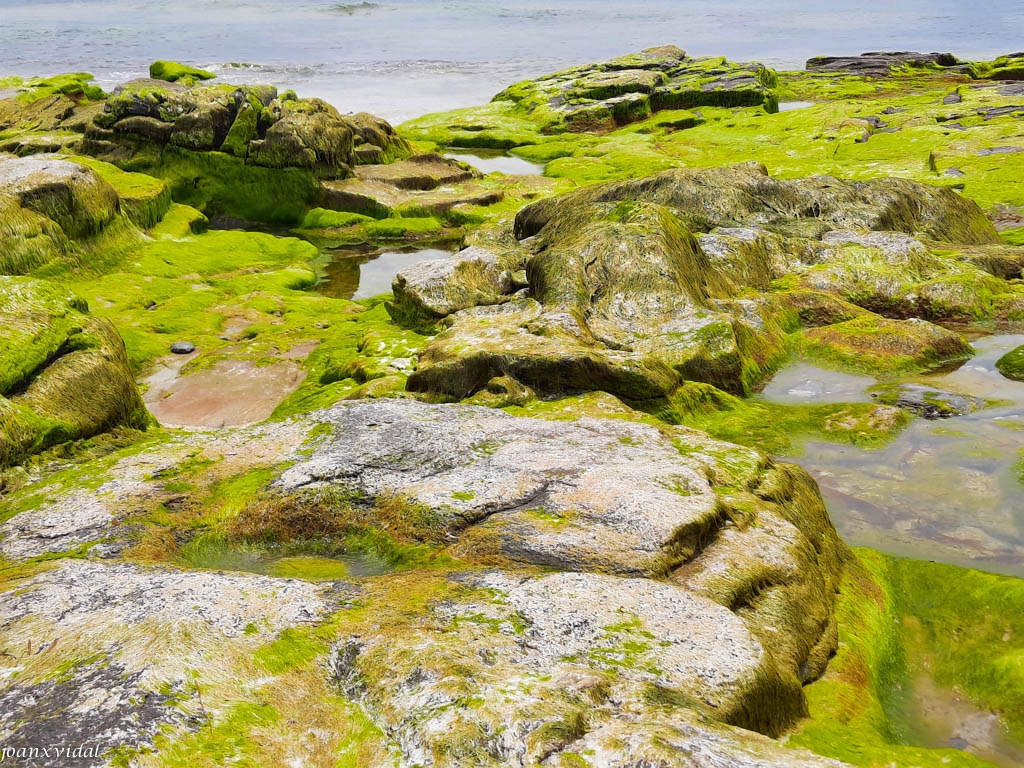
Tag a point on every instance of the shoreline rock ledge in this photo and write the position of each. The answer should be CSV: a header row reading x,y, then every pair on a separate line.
x,y
642,594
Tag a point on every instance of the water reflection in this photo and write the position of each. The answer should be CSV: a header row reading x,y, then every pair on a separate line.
x,y
495,161
942,490
359,273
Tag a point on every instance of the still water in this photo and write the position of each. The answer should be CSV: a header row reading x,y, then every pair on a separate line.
x,y
943,490
402,58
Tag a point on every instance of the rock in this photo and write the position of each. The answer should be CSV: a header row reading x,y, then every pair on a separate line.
x,y
64,375
926,401
422,172
423,185
884,347
614,93
183,348
372,131
593,657
632,284
430,290
63,214
1011,365
76,198
122,692
173,72
640,584
881,64
593,495
999,151
306,133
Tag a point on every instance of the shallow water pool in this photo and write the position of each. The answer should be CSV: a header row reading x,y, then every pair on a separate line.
x,y
359,273
946,490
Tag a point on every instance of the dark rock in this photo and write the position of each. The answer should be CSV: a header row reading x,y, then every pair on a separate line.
x,y
183,347
926,401
990,113
999,151
953,98
879,63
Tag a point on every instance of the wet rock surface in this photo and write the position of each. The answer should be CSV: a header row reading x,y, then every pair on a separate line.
x,y
632,285
926,401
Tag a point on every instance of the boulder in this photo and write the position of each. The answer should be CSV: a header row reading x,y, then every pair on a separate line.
x,y
1011,365
437,288
63,374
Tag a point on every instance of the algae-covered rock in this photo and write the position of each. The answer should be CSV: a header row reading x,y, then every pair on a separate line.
x,y
65,213
173,72
884,347
930,402
307,133
45,205
1011,365
882,63
624,90
431,290
242,151
63,374
598,495
637,286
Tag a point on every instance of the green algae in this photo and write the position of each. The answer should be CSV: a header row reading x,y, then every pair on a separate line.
x,y
77,86
777,428
896,618
1011,365
219,183
174,72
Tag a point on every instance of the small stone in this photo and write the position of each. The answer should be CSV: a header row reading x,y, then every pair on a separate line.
x,y
183,348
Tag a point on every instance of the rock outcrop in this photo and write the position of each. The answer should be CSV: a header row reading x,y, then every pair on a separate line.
x,y
636,286
637,583
630,88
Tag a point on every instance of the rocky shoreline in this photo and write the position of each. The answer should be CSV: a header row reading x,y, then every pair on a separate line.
x,y
563,562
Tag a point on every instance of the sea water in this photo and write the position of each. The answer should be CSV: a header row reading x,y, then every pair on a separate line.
x,y
403,58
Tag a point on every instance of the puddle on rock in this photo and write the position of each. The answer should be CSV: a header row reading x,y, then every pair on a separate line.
x,y
941,718
307,567
231,393
360,273
941,490
789,106
495,161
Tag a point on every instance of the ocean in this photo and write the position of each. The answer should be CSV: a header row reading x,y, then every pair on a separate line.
x,y
403,58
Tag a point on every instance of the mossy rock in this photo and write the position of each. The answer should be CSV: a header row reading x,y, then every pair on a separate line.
x,y
884,347
65,375
1011,365
689,275
57,214
173,72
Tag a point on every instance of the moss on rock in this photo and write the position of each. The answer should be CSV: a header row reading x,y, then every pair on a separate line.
x,y
173,72
65,375
1011,365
